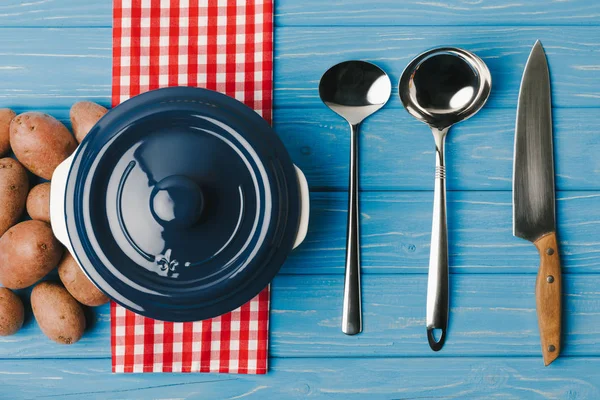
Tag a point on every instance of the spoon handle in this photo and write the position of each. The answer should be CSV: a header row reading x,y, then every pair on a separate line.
x,y
437,283
352,313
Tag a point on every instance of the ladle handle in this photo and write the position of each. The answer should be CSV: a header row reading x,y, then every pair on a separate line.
x,y
352,313
437,283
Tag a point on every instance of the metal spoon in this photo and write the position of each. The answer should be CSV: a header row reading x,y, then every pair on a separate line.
x,y
354,90
440,88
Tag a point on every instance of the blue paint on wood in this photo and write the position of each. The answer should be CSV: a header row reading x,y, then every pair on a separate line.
x,y
395,234
397,151
493,347
349,378
61,66
491,316
55,13
436,13
54,68
302,54
77,13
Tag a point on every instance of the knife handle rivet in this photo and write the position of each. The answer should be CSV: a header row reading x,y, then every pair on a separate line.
x,y
549,251
550,279
551,348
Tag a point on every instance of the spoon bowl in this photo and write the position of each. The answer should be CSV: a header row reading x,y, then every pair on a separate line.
x,y
354,90
444,86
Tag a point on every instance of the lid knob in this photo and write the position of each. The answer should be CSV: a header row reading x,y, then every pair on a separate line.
x,y
177,200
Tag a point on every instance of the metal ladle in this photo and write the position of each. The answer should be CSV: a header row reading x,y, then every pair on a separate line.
x,y
354,90
441,87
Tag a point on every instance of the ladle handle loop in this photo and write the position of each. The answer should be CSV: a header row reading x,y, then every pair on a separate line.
x,y
352,313
437,283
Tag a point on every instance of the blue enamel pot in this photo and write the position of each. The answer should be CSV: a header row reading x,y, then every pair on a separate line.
x,y
181,204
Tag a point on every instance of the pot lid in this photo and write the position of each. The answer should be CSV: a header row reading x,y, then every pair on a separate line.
x,y
182,204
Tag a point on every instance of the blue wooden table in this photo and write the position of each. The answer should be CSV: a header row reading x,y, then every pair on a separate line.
x,y
56,52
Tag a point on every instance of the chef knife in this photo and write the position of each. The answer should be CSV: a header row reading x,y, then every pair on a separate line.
x,y
533,194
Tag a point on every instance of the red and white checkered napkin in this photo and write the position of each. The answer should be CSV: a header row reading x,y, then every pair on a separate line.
x,y
224,45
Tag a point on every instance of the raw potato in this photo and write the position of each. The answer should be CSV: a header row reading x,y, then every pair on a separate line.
x,y
38,202
28,251
58,314
78,284
40,142
14,185
84,116
6,115
12,312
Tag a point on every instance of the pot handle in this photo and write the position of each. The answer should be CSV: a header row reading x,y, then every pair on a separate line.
x,y
304,207
58,190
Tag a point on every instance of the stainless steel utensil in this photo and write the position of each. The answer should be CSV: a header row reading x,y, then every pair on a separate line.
x,y
533,194
354,90
441,87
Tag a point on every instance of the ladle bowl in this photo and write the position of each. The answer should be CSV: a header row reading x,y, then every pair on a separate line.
x,y
444,86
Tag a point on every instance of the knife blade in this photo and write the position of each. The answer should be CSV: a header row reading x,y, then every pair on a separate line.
x,y
533,194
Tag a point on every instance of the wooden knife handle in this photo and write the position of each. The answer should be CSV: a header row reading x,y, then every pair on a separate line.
x,y
548,296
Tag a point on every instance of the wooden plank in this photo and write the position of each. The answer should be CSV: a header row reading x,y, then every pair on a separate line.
x,y
437,13
491,315
396,226
42,67
66,13
54,67
302,55
396,229
397,151
56,13
351,378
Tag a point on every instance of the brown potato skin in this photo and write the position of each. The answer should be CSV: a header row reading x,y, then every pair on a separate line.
x,y
28,251
78,284
6,116
12,312
84,115
40,142
38,202
58,314
14,185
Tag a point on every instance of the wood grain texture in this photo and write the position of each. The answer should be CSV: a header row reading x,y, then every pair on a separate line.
x,y
43,68
493,281
55,13
397,151
548,295
349,378
438,13
396,229
67,13
490,316
303,54
57,67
